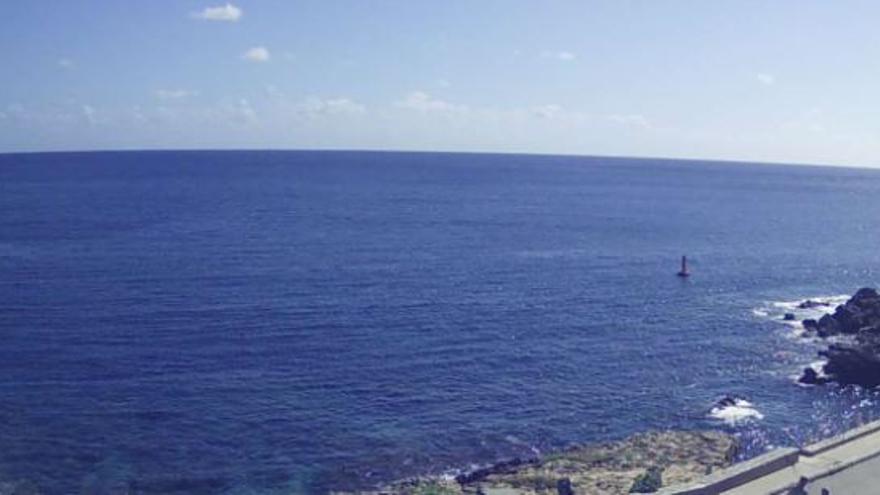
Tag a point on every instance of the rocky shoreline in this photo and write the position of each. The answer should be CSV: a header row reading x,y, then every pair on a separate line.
x,y
852,333
645,462
641,463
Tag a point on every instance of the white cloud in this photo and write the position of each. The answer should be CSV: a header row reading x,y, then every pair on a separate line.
x,y
332,106
563,56
547,111
631,120
89,114
66,63
165,115
137,114
257,54
272,90
243,113
423,102
15,110
227,13
810,120
173,94
765,79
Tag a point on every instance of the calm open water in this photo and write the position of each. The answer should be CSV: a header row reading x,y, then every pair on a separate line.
x,y
261,322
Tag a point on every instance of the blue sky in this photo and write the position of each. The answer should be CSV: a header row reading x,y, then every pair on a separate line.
x,y
784,81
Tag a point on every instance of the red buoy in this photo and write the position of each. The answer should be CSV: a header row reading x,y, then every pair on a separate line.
x,y
684,267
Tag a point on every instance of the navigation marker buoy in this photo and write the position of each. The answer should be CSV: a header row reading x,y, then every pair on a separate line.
x,y
684,268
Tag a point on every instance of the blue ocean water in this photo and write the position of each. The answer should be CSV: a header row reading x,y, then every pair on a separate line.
x,y
295,322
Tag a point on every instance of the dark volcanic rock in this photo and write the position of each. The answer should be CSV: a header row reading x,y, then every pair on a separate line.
x,y
563,487
857,361
811,377
505,467
810,325
853,364
862,310
827,326
729,401
809,304
788,317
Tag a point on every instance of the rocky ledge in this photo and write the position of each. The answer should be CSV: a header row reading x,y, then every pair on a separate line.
x,y
853,332
640,464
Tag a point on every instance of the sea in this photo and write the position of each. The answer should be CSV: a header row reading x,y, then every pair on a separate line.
x,y
268,322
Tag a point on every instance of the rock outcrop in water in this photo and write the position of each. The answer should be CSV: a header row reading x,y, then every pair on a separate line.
x,y
810,304
640,461
856,358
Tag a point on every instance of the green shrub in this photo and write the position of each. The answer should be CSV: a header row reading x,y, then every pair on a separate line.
x,y
433,489
648,482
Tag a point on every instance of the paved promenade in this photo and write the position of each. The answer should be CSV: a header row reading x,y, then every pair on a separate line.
x,y
848,464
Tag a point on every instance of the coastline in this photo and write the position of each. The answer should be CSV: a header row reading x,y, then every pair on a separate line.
x,y
641,460
696,461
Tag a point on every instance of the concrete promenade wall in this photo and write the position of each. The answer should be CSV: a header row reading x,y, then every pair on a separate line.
x,y
780,469
738,474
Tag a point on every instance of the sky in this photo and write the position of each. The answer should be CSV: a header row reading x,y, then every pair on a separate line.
x,y
794,81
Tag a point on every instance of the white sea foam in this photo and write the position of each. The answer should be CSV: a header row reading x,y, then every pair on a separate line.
x,y
739,412
817,366
449,475
776,310
829,304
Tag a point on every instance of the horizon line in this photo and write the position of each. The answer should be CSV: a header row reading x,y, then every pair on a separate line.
x,y
461,152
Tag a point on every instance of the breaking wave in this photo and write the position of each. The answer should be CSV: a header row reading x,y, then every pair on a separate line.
x,y
735,411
